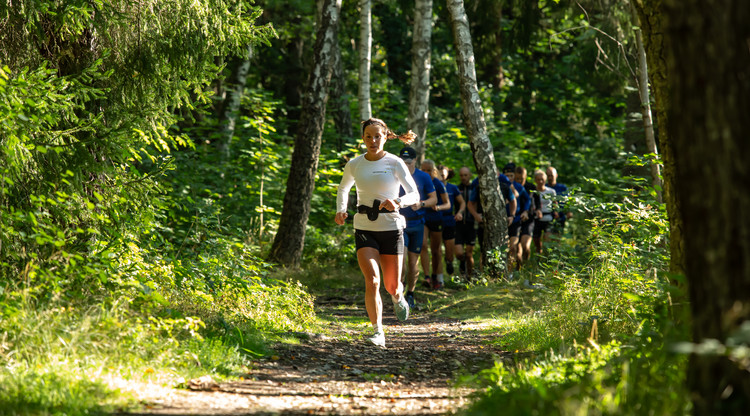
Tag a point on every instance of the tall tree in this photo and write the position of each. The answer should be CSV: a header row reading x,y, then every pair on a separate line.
x,y
342,116
651,15
703,49
419,94
290,238
230,103
708,67
489,188
365,52
648,125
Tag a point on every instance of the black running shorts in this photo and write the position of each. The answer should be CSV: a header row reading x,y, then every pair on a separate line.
x,y
434,226
514,229
540,227
466,234
449,232
527,227
386,242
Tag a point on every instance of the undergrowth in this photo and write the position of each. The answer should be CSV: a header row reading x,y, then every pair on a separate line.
x,y
600,342
163,321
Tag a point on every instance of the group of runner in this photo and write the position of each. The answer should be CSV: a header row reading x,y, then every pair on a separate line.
x,y
449,219
404,208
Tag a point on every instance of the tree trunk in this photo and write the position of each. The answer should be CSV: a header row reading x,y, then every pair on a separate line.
x,y
365,51
703,46
294,82
342,116
702,109
419,94
496,226
289,241
648,125
230,107
651,18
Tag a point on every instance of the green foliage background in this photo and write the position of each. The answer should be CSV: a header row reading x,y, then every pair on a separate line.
x,y
131,249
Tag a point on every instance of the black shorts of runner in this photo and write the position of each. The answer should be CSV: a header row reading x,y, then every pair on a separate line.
x,y
434,226
527,227
386,242
466,234
514,229
540,227
480,235
449,232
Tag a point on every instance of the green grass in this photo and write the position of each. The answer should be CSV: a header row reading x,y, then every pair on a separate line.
x,y
65,360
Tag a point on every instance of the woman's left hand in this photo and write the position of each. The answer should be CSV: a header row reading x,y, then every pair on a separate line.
x,y
389,204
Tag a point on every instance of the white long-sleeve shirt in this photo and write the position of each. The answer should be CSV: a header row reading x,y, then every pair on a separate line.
x,y
380,179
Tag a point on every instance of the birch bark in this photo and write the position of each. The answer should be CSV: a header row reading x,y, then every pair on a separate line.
x,y
648,125
365,52
419,93
495,218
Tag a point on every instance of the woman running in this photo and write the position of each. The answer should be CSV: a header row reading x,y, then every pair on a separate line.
x,y
378,226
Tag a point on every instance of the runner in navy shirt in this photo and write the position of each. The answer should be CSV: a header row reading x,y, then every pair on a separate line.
x,y
527,216
433,260
466,232
449,217
522,206
475,208
414,231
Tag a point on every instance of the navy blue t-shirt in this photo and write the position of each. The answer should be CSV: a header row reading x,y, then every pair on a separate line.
x,y
449,218
424,186
429,213
466,191
562,192
524,201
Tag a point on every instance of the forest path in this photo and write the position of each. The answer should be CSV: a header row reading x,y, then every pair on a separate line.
x,y
342,374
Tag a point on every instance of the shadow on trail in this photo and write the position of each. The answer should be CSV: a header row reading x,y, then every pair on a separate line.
x,y
343,374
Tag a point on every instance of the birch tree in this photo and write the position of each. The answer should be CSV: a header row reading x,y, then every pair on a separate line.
x,y
419,94
651,22
290,238
496,226
648,125
230,105
365,52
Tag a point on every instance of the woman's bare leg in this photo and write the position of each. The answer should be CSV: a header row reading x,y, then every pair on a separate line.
x,y
368,259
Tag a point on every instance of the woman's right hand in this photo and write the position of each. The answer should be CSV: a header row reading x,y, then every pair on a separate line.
x,y
341,218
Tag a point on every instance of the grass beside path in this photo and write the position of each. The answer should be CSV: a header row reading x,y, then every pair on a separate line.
x,y
97,360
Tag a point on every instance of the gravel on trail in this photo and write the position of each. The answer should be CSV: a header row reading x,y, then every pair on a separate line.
x,y
343,375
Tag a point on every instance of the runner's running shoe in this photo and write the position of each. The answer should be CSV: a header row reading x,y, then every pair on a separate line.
x,y
378,339
401,308
410,300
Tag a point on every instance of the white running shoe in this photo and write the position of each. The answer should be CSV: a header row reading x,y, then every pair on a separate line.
x,y
378,339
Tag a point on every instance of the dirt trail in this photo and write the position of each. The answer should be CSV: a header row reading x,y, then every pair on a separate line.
x,y
329,376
